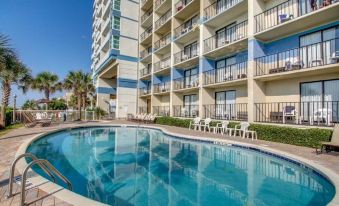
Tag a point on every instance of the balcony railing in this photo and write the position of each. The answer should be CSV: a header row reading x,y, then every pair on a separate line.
x,y
186,111
158,3
161,111
181,4
143,2
145,91
184,28
142,110
218,7
232,34
324,113
226,74
147,14
165,40
163,19
185,55
145,53
286,11
145,71
162,87
146,33
163,64
186,82
226,111
318,54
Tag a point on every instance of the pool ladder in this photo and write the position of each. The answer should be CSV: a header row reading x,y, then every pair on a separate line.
x,y
45,165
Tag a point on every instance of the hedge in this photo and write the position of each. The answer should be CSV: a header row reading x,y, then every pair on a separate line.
x,y
282,134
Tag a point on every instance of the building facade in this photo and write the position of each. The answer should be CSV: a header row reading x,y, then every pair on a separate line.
x,y
115,55
247,60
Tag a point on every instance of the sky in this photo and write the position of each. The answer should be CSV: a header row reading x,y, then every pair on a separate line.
x,y
48,35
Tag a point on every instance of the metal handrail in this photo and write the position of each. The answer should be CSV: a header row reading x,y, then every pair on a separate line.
x,y
46,166
12,170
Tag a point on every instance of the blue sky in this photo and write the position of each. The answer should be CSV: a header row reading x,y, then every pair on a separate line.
x,y
49,35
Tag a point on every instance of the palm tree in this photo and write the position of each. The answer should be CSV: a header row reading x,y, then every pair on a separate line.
x,y
48,83
5,50
73,82
13,71
87,88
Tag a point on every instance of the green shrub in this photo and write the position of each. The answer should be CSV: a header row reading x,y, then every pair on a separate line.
x,y
287,135
295,136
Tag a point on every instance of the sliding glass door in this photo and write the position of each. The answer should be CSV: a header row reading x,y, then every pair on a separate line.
x,y
190,107
225,105
319,101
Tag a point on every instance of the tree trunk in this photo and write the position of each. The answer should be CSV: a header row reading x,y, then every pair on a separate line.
x,y
47,98
6,89
79,106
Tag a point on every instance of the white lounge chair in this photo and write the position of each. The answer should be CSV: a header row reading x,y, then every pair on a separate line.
x,y
206,124
223,127
290,111
195,123
243,130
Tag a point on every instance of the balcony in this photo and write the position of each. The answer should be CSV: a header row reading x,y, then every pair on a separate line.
x,y
216,13
313,59
146,4
185,84
144,92
188,111
162,88
185,33
186,8
237,112
318,113
162,45
293,16
233,40
146,19
231,75
163,111
145,73
146,36
161,6
163,24
107,9
145,55
142,110
160,67
187,57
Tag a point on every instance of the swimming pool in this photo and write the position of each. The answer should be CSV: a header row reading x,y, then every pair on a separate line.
x,y
140,166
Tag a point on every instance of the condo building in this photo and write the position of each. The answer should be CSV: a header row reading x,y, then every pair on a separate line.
x,y
115,55
268,61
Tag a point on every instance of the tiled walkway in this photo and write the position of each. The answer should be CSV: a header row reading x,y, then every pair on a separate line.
x,y
11,141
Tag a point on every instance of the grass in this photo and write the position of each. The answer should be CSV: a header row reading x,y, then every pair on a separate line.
x,y
9,128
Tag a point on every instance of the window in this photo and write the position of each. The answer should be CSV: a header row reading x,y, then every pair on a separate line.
x,y
190,106
320,96
116,23
191,50
116,42
225,105
226,69
117,5
191,77
226,35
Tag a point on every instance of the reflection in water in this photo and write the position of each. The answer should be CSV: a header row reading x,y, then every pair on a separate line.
x,y
129,166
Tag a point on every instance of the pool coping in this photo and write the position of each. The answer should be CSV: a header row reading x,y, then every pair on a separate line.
x,y
79,200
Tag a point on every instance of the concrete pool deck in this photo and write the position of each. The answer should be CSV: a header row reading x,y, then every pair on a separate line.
x,y
10,143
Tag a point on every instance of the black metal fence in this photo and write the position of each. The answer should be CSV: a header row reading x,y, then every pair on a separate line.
x,y
313,55
218,7
145,71
163,19
226,74
161,111
185,55
145,16
186,111
146,33
144,91
232,34
165,40
162,87
324,113
185,28
287,11
162,64
236,111
186,82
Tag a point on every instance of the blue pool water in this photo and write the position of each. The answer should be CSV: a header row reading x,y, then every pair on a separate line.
x,y
131,166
